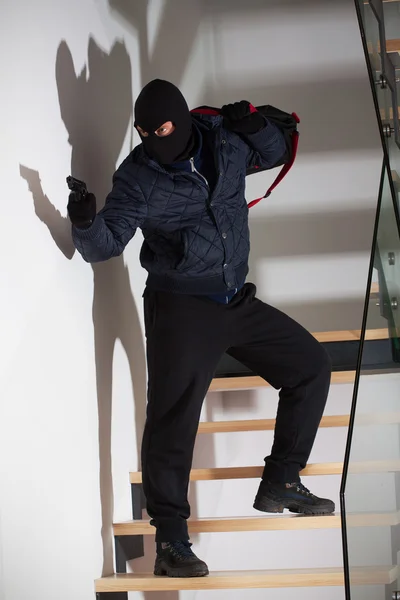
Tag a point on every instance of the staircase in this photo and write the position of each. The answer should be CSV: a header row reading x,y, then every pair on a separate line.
x,y
129,535
379,354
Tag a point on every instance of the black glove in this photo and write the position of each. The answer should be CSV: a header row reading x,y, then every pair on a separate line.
x,y
82,209
240,119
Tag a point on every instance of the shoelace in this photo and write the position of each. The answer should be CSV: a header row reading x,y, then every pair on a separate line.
x,y
181,549
302,489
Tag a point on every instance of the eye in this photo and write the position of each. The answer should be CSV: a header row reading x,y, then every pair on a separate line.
x,y
142,133
165,129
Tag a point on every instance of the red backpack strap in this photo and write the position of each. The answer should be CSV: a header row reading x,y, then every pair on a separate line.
x,y
283,172
206,110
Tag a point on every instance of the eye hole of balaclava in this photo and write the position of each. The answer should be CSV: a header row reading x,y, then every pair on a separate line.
x,y
158,102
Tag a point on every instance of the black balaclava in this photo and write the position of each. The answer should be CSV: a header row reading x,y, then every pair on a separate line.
x,y
158,102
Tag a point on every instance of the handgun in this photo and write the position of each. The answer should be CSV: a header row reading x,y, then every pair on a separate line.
x,y
77,186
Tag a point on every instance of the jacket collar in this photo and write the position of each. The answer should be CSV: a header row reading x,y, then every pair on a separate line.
x,y
198,145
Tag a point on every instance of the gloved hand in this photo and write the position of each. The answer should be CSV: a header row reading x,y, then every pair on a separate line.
x,y
82,209
240,119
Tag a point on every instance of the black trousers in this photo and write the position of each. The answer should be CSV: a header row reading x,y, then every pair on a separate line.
x,y
186,337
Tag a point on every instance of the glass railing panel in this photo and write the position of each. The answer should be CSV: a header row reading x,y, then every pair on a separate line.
x,y
371,491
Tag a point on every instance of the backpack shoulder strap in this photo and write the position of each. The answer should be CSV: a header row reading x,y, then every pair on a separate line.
x,y
205,110
285,169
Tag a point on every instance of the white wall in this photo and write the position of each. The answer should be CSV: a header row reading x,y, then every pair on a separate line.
x,y
70,72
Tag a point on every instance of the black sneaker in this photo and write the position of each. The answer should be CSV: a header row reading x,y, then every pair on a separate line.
x,y
274,497
176,559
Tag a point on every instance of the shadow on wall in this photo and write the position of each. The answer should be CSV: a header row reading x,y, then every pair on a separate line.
x,y
321,234
167,59
97,111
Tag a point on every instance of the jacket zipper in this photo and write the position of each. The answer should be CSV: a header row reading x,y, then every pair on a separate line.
x,y
194,170
217,161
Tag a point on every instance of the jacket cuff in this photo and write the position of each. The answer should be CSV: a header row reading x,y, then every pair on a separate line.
x,y
90,233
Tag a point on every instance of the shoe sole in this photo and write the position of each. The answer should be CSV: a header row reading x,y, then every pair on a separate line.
x,y
278,506
164,571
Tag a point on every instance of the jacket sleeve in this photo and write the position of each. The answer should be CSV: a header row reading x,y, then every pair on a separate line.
x,y
114,226
264,148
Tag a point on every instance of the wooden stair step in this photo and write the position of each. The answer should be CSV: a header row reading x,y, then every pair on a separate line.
x,y
264,424
251,382
385,418
266,523
374,291
219,473
387,115
375,466
219,580
351,335
393,45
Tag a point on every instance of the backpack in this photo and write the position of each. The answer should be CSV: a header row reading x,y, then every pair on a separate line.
x,y
287,123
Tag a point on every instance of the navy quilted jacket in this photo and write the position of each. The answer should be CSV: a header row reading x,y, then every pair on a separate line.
x,y
196,240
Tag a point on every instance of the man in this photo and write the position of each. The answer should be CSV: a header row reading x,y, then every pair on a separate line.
x,y
184,187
